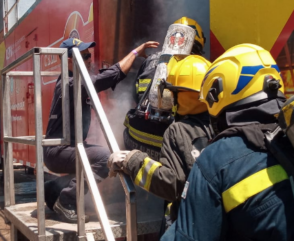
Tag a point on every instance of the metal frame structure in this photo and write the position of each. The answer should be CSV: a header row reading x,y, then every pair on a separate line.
x,y
38,140
80,72
14,7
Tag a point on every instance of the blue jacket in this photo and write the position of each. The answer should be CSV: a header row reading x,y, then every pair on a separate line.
x,y
235,192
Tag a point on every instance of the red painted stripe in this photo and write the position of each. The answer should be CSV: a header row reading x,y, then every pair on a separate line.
x,y
283,37
216,49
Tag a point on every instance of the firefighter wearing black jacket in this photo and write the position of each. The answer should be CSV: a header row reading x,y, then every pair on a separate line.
x,y
147,135
61,159
182,141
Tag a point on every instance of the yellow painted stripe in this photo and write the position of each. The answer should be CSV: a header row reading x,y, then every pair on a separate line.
x,y
288,110
252,185
255,29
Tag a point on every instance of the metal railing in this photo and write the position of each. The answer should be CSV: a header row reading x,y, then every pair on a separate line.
x,y
80,72
82,163
37,140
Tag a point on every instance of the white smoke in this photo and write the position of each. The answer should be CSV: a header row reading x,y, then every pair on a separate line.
x,y
138,23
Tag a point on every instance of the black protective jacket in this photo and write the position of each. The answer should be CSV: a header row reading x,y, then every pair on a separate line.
x,y
142,132
182,144
146,73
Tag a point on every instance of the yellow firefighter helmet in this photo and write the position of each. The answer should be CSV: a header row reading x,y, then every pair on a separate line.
x,y
199,36
244,74
185,76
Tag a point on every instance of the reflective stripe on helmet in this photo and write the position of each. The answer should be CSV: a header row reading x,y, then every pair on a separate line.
x,y
252,185
143,137
144,176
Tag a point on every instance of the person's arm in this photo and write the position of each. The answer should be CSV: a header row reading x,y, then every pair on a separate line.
x,y
165,178
201,215
127,61
168,179
117,72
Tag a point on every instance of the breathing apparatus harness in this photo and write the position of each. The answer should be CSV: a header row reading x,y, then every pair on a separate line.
x,y
146,110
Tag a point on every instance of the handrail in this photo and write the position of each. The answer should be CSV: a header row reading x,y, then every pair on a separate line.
x,y
82,162
36,140
128,185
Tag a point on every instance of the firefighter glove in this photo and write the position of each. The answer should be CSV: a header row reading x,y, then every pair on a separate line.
x,y
118,162
115,162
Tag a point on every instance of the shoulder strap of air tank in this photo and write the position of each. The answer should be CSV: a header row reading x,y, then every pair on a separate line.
x,y
144,97
283,156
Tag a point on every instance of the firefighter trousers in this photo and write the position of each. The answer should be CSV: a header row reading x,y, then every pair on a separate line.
x,y
62,159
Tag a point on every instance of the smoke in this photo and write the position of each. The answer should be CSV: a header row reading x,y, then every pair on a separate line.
x,y
116,104
143,21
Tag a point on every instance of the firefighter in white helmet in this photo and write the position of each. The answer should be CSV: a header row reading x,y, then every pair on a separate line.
x,y
182,141
143,133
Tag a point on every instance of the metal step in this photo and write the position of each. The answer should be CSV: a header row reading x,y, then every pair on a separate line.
x,y
24,217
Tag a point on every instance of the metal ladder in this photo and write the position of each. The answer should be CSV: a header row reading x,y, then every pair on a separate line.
x,y
38,141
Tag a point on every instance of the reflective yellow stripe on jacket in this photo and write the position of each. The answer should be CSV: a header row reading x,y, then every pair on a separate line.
x,y
143,84
252,185
143,137
144,176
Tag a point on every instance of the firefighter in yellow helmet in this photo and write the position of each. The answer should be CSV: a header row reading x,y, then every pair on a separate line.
x,y
182,141
142,133
199,37
236,189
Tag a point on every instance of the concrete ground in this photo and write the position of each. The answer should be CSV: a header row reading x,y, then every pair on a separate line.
x,y
4,228
25,191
